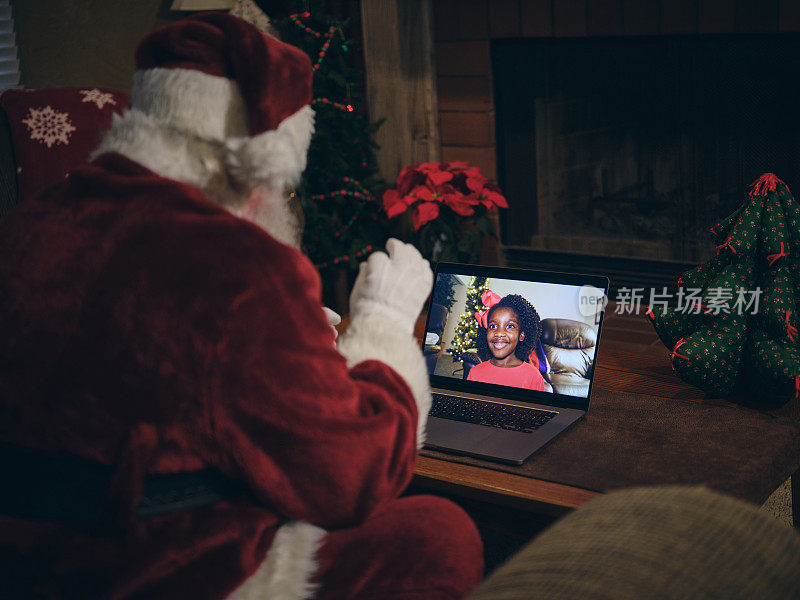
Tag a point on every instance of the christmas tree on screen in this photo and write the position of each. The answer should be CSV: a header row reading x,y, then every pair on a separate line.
x,y
465,337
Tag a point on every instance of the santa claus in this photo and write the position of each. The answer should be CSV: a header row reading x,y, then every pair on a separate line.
x,y
178,420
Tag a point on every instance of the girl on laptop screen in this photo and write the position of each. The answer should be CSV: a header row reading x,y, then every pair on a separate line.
x,y
509,330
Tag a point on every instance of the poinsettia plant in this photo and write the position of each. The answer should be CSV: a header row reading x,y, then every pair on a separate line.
x,y
448,203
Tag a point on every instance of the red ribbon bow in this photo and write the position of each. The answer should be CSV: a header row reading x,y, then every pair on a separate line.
x,y
489,299
675,354
768,182
727,244
773,257
790,329
797,387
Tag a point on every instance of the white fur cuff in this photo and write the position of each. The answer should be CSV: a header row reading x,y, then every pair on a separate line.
x,y
275,159
374,338
288,567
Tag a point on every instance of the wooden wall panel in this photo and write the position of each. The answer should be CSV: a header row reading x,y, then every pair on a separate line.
x,y
569,18
640,17
463,58
445,20
483,158
757,16
465,93
473,20
604,17
504,19
678,17
789,20
63,43
398,40
716,16
536,18
466,128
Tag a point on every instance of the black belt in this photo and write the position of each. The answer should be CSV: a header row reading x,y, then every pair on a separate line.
x,y
63,487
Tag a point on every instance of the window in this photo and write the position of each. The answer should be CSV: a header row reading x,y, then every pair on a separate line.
x,y
9,63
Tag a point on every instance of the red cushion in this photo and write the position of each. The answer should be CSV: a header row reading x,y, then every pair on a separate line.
x,y
55,130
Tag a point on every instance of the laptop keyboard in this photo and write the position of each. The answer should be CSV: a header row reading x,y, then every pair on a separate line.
x,y
502,416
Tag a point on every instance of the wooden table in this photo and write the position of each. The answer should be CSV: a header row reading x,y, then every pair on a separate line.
x,y
630,359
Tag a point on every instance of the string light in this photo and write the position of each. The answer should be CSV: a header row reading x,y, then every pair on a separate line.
x,y
328,102
352,187
297,19
359,192
344,258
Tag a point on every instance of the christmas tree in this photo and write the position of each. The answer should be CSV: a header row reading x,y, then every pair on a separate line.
x,y
466,333
337,193
737,326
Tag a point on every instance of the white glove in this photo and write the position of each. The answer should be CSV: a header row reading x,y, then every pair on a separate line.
x,y
333,320
393,287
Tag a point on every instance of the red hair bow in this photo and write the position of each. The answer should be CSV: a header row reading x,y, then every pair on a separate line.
x,y
489,299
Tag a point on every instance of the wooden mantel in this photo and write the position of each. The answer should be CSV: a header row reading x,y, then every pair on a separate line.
x,y
401,81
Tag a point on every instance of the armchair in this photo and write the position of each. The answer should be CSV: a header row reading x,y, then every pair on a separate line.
x,y
570,347
46,133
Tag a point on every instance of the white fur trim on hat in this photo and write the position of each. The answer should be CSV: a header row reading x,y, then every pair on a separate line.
x,y
211,108
275,159
188,100
288,567
374,338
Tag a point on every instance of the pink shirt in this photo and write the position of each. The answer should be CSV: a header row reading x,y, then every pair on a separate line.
x,y
524,376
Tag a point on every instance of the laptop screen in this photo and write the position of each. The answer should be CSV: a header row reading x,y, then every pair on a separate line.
x,y
513,333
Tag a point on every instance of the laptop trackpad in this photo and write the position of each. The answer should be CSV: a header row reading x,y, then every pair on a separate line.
x,y
455,435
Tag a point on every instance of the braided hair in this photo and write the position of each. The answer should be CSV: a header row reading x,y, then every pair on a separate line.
x,y
529,323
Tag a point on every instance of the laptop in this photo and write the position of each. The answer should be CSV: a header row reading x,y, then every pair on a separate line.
x,y
503,387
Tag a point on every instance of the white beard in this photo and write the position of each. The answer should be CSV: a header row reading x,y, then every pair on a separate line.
x,y
198,162
276,214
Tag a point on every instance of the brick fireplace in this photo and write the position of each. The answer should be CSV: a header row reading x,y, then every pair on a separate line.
x,y
619,127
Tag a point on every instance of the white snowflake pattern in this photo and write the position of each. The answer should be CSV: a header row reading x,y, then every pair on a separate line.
x,y
98,97
49,126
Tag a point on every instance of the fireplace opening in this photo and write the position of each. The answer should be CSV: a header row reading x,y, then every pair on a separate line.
x,y
634,147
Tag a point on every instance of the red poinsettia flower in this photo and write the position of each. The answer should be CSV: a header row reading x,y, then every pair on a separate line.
x,y
435,173
459,203
424,187
394,203
423,192
428,167
425,212
408,179
439,177
475,181
492,195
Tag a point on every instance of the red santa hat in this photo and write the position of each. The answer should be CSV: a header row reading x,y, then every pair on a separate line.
x,y
217,77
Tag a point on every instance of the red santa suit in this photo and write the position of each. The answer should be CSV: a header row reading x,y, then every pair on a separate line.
x,y
148,328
